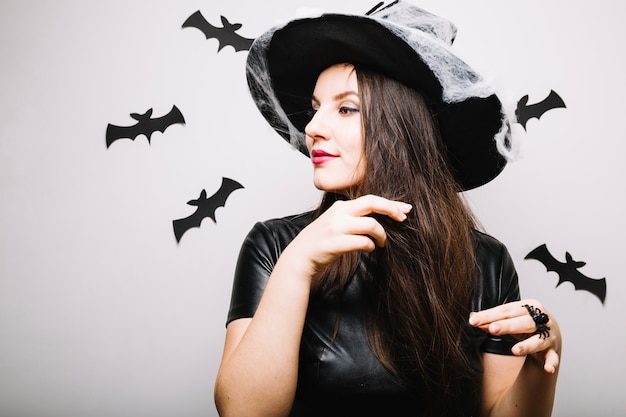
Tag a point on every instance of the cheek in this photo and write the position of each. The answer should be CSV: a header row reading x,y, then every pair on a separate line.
x,y
356,144
359,153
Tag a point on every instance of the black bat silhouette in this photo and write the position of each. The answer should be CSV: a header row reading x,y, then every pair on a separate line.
x,y
568,271
525,112
206,207
225,35
146,125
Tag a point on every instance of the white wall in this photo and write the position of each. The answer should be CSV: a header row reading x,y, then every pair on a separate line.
x,y
103,313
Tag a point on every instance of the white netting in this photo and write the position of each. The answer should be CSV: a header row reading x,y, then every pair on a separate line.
x,y
431,36
260,85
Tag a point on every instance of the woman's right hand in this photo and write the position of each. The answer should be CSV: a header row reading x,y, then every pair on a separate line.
x,y
346,226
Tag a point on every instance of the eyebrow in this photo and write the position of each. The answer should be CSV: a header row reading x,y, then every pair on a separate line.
x,y
339,96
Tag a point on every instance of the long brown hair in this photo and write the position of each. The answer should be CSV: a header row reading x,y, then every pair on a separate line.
x,y
426,273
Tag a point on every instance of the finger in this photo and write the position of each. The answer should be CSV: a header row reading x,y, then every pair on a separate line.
x,y
531,345
369,204
552,361
370,227
540,348
504,311
357,242
485,317
519,325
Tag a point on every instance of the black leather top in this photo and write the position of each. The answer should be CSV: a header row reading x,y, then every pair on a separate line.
x,y
344,378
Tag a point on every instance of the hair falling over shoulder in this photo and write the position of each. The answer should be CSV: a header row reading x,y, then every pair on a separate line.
x,y
425,276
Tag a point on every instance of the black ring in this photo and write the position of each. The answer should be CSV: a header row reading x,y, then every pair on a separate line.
x,y
541,320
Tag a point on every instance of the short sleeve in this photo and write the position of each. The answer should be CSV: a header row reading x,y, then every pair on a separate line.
x,y
258,255
255,262
498,285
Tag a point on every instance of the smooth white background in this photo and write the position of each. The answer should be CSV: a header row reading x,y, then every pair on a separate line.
x,y
104,314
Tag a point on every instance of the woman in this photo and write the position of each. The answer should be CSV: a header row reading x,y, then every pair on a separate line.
x,y
386,300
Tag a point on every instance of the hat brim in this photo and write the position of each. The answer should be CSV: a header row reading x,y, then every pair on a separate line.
x,y
302,49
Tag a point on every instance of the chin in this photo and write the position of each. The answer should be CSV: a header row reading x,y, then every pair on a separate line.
x,y
336,190
331,185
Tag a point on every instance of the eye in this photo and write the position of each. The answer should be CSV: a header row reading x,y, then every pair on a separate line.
x,y
347,110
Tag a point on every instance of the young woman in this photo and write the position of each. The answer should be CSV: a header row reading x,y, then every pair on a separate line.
x,y
386,300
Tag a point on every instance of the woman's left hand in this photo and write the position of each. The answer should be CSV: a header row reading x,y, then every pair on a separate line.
x,y
529,321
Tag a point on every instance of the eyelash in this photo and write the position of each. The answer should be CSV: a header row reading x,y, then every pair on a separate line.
x,y
342,110
348,110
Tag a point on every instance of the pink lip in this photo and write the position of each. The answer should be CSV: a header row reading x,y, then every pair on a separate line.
x,y
319,157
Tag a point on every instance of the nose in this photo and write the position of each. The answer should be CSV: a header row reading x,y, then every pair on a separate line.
x,y
316,128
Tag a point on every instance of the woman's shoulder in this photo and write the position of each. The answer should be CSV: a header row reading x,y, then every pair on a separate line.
x,y
498,281
295,220
280,230
487,243
286,224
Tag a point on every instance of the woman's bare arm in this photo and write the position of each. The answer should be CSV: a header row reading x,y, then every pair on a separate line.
x,y
524,384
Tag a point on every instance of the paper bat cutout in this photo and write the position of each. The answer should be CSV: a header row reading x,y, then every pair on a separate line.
x,y
206,207
568,272
225,35
146,125
525,112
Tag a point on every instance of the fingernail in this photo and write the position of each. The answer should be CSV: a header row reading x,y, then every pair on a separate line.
x,y
473,320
